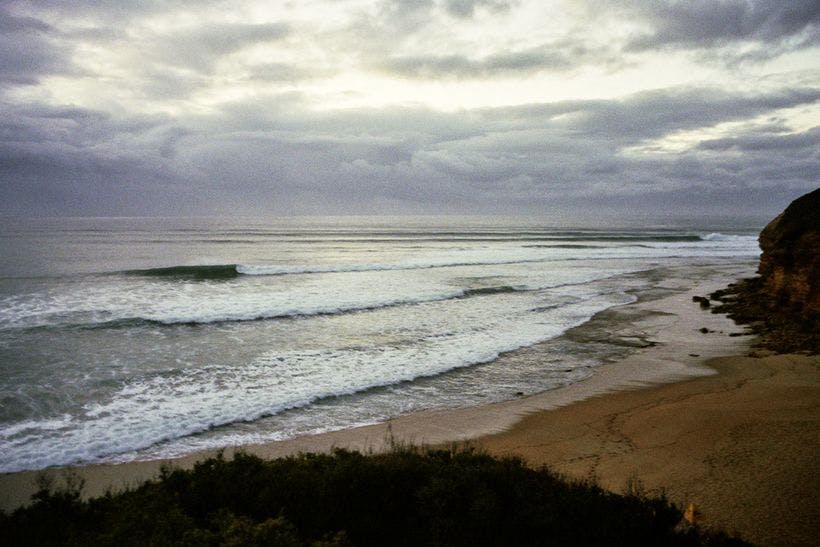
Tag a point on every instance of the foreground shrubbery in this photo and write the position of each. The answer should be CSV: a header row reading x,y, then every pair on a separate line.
x,y
406,497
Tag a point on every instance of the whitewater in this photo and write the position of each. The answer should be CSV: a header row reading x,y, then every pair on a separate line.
x,y
126,339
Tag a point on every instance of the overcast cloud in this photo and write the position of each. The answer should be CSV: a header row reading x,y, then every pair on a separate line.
x,y
423,106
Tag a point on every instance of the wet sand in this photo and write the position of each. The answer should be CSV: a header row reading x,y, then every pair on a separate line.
x,y
737,436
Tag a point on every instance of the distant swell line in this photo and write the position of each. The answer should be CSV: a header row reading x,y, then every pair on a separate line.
x,y
564,246
233,271
130,322
492,290
215,272
221,272
351,268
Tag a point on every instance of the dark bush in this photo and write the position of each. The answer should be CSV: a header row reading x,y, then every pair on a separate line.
x,y
406,497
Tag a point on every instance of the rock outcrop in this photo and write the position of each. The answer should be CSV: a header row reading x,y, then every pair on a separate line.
x,y
782,305
790,263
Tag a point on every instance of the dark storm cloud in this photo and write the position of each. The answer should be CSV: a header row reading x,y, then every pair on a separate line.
x,y
467,8
398,9
651,114
26,50
558,56
576,148
381,39
763,141
281,72
72,161
10,23
504,160
401,16
656,113
766,30
705,23
100,11
278,158
201,47
404,8
47,151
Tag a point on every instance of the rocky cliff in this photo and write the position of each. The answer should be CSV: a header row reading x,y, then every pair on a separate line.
x,y
782,305
790,263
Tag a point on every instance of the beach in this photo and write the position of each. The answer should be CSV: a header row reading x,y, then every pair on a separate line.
x,y
740,445
689,414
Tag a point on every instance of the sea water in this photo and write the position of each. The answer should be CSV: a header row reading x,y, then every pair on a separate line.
x,y
140,338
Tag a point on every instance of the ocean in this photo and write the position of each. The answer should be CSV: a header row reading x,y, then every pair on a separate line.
x,y
139,338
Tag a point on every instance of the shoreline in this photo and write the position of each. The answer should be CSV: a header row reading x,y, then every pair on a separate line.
x,y
669,325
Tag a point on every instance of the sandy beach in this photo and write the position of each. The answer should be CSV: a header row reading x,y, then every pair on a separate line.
x,y
741,445
689,414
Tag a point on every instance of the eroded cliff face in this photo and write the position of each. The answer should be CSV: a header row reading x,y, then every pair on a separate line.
x,y
782,305
790,263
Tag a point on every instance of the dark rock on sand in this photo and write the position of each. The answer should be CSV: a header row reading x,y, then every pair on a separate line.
x,y
702,300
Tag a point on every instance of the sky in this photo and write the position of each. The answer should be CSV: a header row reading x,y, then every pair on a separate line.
x,y
577,107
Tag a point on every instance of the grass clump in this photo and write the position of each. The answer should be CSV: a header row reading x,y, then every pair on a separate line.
x,y
405,497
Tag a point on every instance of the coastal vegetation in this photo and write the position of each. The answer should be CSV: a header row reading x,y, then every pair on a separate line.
x,y
408,496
